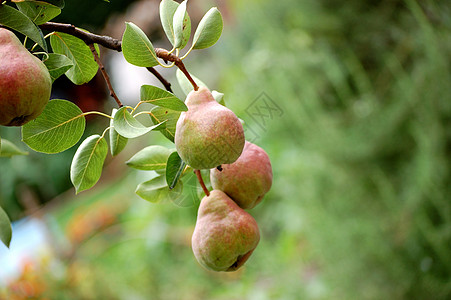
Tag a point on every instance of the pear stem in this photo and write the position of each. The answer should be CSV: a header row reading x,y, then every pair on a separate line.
x,y
168,56
201,181
105,74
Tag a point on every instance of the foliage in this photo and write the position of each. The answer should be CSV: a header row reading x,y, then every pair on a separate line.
x,y
76,55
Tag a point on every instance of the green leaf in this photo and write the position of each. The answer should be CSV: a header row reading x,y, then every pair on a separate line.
x,y
167,10
185,84
160,114
219,97
79,53
57,64
59,127
8,149
137,48
156,96
126,125
209,29
156,190
58,3
174,169
0,145
150,158
182,26
87,163
5,228
38,11
117,141
16,20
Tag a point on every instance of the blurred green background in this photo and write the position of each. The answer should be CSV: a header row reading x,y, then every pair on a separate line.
x,y
352,102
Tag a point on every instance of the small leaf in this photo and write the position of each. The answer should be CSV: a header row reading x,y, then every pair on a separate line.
x,y
126,125
156,96
38,11
170,117
137,48
174,169
117,141
156,190
185,84
182,26
57,64
79,53
16,20
209,29
5,228
150,158
8,149
59,127
167,10
219,97
87,163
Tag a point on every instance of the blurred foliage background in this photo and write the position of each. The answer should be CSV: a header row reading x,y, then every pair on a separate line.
x,y
354,102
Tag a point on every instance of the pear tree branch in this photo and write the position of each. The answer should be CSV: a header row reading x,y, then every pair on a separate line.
x,y
105,74
115,44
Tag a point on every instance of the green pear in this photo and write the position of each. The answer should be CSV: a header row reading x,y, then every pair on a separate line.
x,y
208,134
225,235
246,180
25,82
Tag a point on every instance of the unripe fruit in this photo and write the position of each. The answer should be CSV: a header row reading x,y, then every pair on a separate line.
x,y
25,82
208,134
248,179
225,235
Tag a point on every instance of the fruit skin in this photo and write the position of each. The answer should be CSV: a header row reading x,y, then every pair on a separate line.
x,y
25,82
208,134
225,235
248,179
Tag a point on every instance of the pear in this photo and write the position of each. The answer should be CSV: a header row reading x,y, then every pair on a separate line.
x,y
208,134
225,235
248,179
25,82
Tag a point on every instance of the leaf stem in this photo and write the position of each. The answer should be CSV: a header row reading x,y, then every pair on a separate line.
x,y
105,131
96,113
105,74
201,181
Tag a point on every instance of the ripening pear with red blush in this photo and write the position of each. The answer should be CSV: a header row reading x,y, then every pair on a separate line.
x,y
25,82
246,180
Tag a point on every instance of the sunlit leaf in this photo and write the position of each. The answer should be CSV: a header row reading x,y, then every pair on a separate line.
x,y
209,29
156,96
182,26
59,127
137,48
185,84
150,158
8,149
167,10
126,125
117,141
57,64
87,163
156,190
5,228
79,53
38,11
18,21
170,117
219,97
